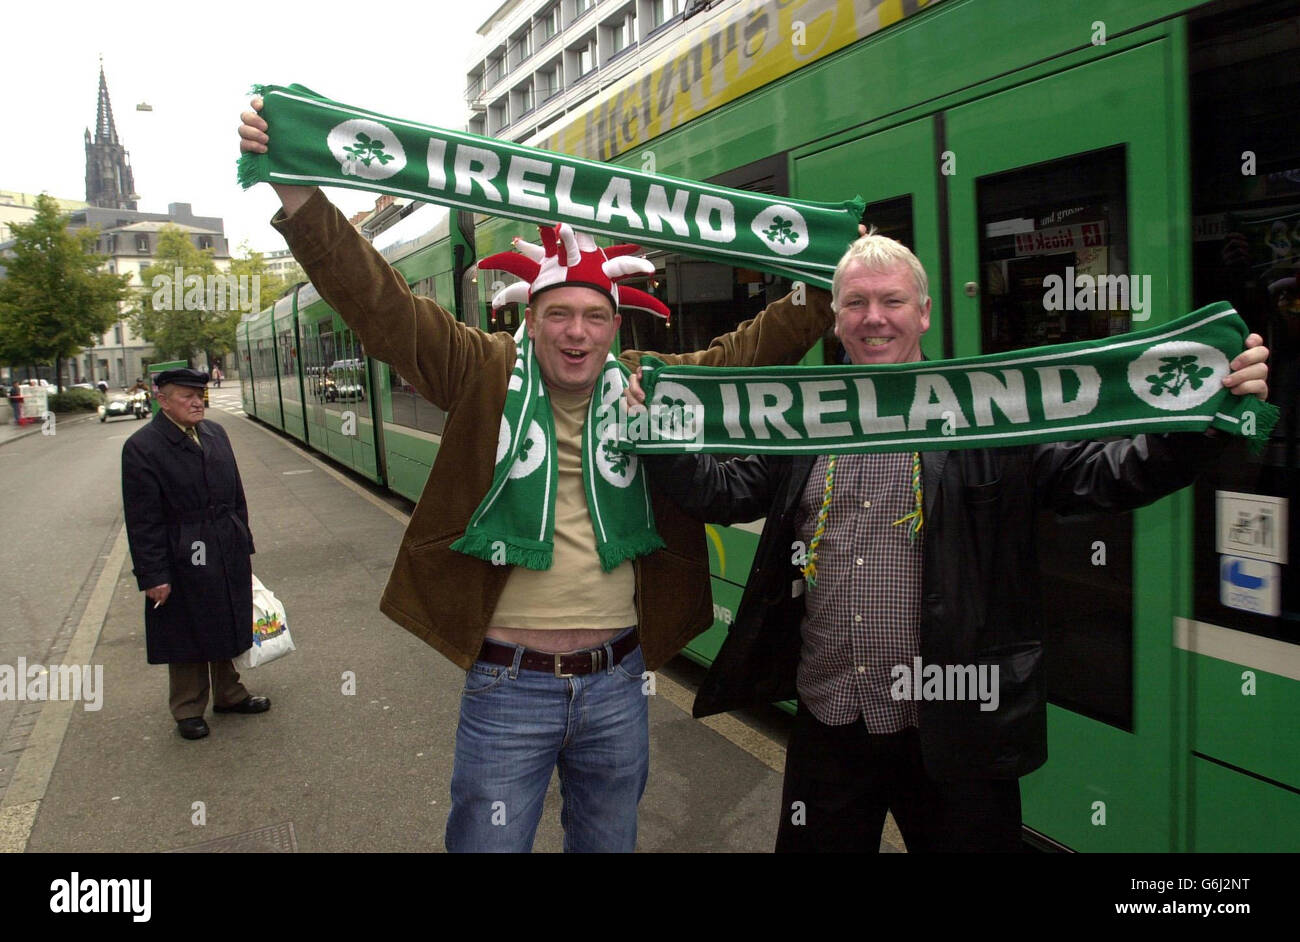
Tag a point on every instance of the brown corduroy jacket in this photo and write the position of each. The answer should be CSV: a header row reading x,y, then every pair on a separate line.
x,y
447,598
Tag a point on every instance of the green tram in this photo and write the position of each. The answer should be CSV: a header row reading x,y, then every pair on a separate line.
x,y
1005,142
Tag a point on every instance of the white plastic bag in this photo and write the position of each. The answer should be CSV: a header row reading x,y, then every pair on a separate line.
x,y
270,630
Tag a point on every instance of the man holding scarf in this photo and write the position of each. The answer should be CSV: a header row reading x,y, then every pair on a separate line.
x,y
537,559
904,556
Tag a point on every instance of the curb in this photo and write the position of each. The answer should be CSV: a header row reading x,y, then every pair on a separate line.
x,y
35,429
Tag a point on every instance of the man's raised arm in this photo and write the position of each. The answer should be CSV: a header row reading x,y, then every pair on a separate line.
x,y
426,344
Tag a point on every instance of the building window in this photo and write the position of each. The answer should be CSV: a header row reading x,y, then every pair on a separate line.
x,y
523,102
205,242
520,48
496,66
548,82
549,22
498,117
622,33
582,6
117,334
661,11
142,245
586,59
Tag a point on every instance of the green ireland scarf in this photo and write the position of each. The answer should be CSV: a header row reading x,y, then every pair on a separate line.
x,y
318,141
1161,379
515,523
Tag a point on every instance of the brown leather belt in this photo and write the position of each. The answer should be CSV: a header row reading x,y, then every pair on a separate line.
x,y
576,664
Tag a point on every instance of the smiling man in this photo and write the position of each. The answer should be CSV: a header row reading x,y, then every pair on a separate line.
x,y
908,559
536,559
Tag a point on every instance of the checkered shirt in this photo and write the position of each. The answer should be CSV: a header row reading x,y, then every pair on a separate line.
x,y
862,617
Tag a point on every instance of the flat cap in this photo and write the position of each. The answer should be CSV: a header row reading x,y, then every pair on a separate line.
x,y
181,377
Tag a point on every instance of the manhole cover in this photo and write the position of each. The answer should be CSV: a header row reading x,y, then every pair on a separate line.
x,y
276,839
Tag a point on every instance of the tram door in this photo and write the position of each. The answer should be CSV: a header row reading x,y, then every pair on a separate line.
x,y
1058,182
892,171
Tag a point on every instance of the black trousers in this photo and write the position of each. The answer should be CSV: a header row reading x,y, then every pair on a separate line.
x,y
840,781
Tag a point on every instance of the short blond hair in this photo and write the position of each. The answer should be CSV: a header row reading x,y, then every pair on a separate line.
x,y
879,253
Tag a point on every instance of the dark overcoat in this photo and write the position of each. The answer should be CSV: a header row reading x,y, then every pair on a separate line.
x,y
187,525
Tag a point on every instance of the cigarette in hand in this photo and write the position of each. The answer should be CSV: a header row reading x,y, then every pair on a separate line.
x,y
156,604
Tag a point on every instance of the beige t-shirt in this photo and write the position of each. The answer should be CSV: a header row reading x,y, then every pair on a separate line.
x,y
574,592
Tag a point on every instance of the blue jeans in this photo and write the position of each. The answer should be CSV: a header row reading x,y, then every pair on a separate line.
x,y
517,725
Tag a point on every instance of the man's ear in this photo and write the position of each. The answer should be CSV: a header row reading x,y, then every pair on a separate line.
x,y
529,322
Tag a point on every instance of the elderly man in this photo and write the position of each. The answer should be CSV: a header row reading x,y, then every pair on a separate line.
x,y
532,560
187,524
950,773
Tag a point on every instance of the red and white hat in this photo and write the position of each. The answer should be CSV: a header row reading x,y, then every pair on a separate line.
x,y
569,257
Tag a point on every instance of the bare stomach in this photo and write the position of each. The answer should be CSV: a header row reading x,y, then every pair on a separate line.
x,y
555,642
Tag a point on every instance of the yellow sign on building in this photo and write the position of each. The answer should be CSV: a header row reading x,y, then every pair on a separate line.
x,y
718,62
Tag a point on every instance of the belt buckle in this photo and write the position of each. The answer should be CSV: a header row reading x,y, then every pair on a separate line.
x,y
597,656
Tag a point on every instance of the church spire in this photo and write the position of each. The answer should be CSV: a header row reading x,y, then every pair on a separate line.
x,y
105,130
109,180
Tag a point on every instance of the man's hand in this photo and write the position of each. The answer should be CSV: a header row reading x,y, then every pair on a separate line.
x,y
254,139
158,594
633,394
1250,370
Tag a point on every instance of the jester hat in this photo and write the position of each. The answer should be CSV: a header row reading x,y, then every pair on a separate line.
x,y
569,257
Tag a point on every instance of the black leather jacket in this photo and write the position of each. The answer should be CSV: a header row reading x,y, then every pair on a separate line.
x,y
980,583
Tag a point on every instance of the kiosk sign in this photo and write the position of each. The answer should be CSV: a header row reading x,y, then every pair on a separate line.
x,y
1251,525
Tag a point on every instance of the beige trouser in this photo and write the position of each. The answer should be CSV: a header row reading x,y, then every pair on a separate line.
x,y
189,687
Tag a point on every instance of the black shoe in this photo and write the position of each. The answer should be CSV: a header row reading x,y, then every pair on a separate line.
x,y
193,728
247,705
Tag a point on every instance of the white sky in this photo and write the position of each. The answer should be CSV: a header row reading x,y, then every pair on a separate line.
x,y
194,64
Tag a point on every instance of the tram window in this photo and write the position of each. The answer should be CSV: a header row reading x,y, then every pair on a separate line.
x,y
893,218
1047,233
507,318
411,409
288,366
707,300
1246,250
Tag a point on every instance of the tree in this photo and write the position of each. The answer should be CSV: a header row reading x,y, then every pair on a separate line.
x,y
54,299
186,305
177,313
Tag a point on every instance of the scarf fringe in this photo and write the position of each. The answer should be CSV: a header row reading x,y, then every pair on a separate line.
x,y
488,549
250,169
1266,417
616,552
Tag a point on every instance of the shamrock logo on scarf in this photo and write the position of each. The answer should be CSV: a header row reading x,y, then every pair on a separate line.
x,y
782,228
617,460
780,231
1177,375
367,149
1175,372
